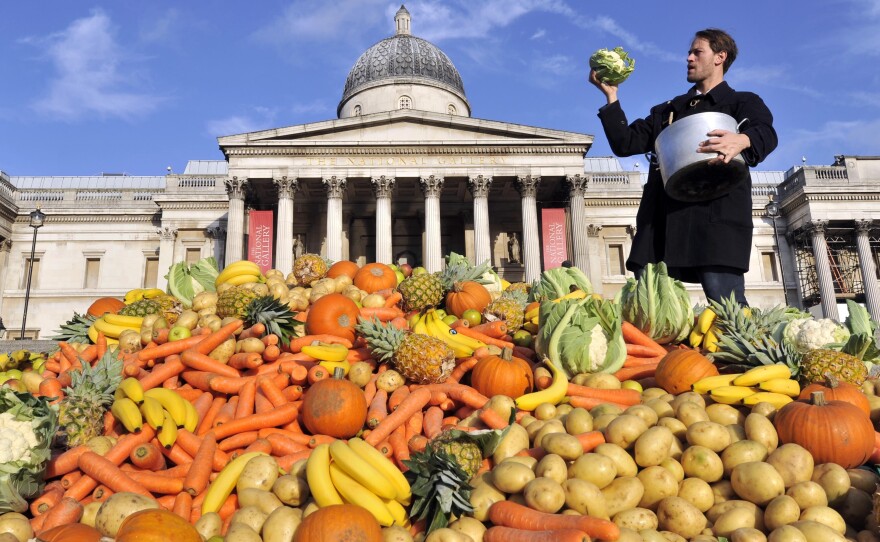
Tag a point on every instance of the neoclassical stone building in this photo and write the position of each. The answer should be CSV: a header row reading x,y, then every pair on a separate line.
x,y
405,173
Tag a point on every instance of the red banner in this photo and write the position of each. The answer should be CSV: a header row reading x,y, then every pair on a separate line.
x,y
260,234
553,237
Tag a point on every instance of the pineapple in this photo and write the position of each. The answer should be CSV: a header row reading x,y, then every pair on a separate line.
x,y
440,488
463,451
166,305
275,315
234,302
308,268
419,358
421,291
81,412
508,307
519,287
816,363
75,330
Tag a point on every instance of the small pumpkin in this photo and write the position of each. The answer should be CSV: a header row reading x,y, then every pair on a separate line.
x,y
334,406
832,431
374,277
340,523
680,368
156,525
838,390
503,375
105,304
334,314
466,295
343,267
72,532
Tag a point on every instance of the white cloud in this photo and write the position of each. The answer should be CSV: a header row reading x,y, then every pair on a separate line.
x,y
93,75
778,76
540,33
821,143
162,28
311,21
260,118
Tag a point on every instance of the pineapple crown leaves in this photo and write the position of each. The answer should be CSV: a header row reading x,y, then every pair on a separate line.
x,y
100,380
76,329
462,270
440,488
383,339
275,315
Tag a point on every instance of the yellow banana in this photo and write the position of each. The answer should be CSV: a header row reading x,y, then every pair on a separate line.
x,y
133,295
535,320
172,402
695,338
384,465
530,327
167,435
128,414
152,293
785,386
705,320
134,322
444,328
398,512
222,486
459,349
93,336
132,389
112,331
241,267
755,376
355,493
776,399
552,394
153,412
191,422
361,470
532,313
326,352
318,477
710,340
238,280
709,383
731,395
420,326
331,366
576,294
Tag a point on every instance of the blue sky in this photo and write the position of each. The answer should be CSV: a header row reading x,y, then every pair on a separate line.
x,y
91,87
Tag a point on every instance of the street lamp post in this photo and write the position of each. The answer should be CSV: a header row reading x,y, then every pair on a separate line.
x,y
37,219
772,210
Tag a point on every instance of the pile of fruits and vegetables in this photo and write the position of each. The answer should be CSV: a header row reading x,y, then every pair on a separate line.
x,y
377,403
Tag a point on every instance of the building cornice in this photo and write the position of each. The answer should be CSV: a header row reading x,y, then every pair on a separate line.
x,y
118,218
612,202
288,150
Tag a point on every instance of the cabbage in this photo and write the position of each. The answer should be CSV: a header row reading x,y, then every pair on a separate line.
x,y
22,479
611,66
187,281
555,283
657,304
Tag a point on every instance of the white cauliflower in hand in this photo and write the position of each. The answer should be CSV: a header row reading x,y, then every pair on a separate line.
x,y
805,334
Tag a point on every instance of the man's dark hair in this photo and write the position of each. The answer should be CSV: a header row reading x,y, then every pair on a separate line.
x,y
719,40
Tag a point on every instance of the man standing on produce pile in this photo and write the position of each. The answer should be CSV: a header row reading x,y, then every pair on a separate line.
x,y
706,241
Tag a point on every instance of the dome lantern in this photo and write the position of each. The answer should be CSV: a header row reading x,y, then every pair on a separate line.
x,y
402,20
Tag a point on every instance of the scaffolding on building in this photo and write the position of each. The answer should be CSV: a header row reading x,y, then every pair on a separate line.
x,y
843,259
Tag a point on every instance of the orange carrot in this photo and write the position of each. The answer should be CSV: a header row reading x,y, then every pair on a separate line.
x,y
412,403
592,402
399,448
383,314
397,396
65,462
50,498
197,477
469,332
417,443
116,455
400,323
293,392
255,330
68,479
101,345
161,373
229,384
370,388
51,388
271,353
519,516
167,348
464,365
622,396
639,350
246,397
201,362
590,439
634,335
393,298
637,361
227,412
318,372
147,456
498,533
271,391
461,393
492,419
67,511
636,373
359,354
286,462
217,338
192,443
432,423
157,483
183,505
70,354
271,339
282,445
208,419
245,360
495,329
378,408
176,453
296,344
237,441
108,473
259,445
280,416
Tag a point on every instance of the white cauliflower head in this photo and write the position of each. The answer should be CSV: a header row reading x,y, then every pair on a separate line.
x,y
805,334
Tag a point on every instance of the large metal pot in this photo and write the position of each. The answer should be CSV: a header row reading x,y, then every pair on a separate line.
x,y
686,173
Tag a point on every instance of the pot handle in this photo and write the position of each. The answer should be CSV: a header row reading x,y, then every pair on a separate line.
x,y
745,120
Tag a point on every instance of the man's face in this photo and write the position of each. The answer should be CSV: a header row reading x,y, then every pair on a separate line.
x,y
702,61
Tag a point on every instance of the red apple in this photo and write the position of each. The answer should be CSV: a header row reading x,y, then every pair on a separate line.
x,y
406,269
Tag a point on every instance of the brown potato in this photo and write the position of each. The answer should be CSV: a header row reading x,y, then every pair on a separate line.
x,y
678,428
737,433
747,534
260,472
622,494
209,524
659,483
734,519
725,414
783,510
626,465
673,466
765,409
863,479
817,532
646,413
757,482
709,434
826,516
469,526
793,462
624,430
545,411
264,501
723,491
856,507
697,492
15,527
119,506
786,533
740,452
566,446
585,498
807,494
760,428
281,524
360,373
514,441
482,498
680,517
601,421
511,477
578,421
251,344
653,446
544,495
689,397
662,408
689,412
637,519
600,470
550,426
701,462
603,381
834,480
251,516
291,490
722,508
552,466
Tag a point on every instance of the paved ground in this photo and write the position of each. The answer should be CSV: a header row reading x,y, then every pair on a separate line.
x,y
32,346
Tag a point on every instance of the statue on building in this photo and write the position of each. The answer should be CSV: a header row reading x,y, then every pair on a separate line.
x,y
298,247
514,249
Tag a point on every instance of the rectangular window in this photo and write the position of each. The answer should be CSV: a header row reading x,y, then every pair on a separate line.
x,y
193,255
770,265
151,272
93,269
35,274
616,265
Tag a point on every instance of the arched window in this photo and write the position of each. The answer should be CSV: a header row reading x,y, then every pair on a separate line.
x,y
451,109
357,111
405,102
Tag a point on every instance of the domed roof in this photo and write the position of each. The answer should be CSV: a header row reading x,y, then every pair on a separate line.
x,y
403,57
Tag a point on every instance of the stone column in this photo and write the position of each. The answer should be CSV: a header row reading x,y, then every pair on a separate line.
x,y
287,187
218,235
335,188
527,186
382,188
236,188
167,237
5,248
823,269
577,185
479,186
432,186
869,269
594,232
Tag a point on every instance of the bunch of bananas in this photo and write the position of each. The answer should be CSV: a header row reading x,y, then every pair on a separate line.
x,y
240,272
705,333
768,383
21,360
429,323
162,409
141,293
531,320
357,473
328,355
114,325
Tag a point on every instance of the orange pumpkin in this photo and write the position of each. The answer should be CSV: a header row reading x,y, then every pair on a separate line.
x,y
72,532
832,431
680,368
838,390
374,277
334,314
503,375
335,407
340,523
105,304
467,295
156,525
343,267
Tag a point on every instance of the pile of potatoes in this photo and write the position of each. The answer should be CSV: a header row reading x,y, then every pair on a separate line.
x,y
673,469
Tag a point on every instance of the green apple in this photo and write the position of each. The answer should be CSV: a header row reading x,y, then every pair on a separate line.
x,y
631,385
441,314
472,316
179,332
399,276
522,338
450,319
419,271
